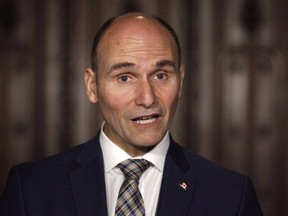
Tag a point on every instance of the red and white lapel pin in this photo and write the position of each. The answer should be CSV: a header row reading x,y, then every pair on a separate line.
x,y
183,185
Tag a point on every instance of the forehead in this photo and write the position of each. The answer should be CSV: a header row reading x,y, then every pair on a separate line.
x,y
132,33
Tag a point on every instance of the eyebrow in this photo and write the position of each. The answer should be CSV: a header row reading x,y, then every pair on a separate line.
x,y
159,64
164,63
121,65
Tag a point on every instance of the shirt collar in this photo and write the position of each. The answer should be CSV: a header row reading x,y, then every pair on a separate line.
x,y
113,155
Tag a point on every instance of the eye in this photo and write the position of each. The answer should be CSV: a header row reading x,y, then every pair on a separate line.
x,y
161,76
124,78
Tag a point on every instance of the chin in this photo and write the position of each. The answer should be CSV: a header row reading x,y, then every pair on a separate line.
x,y
148,144
146,148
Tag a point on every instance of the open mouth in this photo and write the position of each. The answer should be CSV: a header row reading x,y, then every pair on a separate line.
x,y
146,119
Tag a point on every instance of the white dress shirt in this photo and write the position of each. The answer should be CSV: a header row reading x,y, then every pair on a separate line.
x,y
150,181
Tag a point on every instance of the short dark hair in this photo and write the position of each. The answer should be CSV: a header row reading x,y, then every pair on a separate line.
x,y
107,24
173,33
97,38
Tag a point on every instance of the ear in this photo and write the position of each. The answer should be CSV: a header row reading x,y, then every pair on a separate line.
x,y
90,82
182,75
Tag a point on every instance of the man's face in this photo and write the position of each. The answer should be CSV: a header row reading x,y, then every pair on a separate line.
x,y
138,84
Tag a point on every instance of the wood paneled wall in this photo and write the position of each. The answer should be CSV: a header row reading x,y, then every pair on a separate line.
x,y
234,108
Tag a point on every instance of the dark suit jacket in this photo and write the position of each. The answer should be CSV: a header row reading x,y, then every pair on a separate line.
x,y
72,183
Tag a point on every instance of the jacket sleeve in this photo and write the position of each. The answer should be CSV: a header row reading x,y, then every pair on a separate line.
x,y
11,201
249,204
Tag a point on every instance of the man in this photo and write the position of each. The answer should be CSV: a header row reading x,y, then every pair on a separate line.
x,y
136,79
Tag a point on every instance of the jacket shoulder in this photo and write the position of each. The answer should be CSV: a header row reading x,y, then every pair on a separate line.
x,y
209,170
58,163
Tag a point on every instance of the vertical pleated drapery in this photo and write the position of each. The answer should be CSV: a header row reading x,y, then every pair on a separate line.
x,y
234,108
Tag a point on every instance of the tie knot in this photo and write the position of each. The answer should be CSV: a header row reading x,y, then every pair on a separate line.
x,y
134,168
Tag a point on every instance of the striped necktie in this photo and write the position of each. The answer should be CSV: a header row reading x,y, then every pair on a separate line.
x,y
130,201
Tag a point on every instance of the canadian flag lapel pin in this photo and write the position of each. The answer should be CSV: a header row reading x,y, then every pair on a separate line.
x,y
183,185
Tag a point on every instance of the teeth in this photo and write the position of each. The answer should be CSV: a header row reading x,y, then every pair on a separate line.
x,y
147,121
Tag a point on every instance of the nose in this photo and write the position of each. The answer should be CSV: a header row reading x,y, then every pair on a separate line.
x,y
145,95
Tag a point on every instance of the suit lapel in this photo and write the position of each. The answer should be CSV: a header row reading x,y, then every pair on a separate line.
x,y
88,182
177,188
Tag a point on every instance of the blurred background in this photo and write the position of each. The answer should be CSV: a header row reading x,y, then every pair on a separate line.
x,y
234,109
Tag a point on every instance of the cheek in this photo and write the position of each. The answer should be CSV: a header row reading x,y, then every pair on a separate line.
x,y
111,104
169,96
